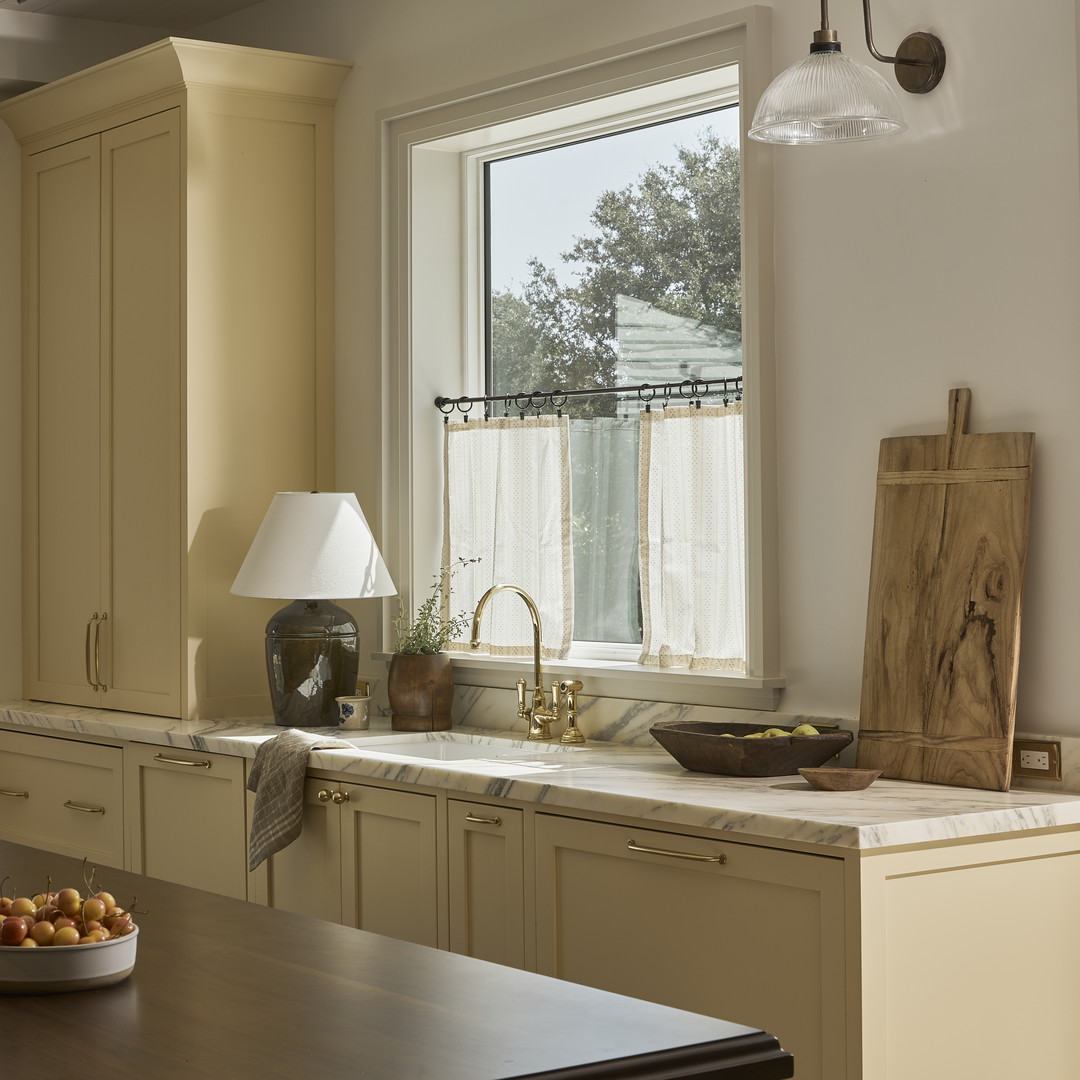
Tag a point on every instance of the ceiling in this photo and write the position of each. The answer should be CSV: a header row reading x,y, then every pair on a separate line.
x,y
168,14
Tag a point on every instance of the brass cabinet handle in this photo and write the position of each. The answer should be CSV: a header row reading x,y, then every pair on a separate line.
x,y
97,652
181,761
16,794
469,816
719,858
340,797
324,796
89,668
85,809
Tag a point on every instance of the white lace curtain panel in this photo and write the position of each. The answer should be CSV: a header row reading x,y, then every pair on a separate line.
x,y
691,522
507,501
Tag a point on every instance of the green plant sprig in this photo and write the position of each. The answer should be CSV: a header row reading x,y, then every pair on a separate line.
x,y
431,630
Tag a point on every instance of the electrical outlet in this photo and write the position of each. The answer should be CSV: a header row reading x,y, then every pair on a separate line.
x,y
1041,760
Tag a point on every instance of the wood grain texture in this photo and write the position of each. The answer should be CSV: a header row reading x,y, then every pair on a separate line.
x,y
224,988
943,615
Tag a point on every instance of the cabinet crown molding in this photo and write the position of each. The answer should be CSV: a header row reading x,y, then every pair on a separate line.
x,y
166,68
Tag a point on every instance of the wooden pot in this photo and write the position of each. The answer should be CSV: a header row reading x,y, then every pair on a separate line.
x,y
421,691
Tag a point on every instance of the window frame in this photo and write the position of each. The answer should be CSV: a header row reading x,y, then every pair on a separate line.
x,y
435,319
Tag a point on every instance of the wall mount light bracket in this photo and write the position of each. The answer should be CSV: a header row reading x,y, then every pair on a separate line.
x,y
919,59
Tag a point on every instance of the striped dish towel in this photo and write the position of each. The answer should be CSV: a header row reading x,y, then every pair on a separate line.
x,y
277,778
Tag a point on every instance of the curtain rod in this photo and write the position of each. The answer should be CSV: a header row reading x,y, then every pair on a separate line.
x,y
537,400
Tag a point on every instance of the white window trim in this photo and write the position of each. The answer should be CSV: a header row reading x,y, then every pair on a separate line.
x,y
433,310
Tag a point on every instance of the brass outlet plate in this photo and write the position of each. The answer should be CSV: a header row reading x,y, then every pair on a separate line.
x,y
1030,755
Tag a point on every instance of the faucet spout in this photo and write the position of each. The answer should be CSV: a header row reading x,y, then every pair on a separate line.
x,y
537,714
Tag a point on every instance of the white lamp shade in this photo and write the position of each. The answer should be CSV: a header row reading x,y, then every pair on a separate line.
x,y
314,545
826,97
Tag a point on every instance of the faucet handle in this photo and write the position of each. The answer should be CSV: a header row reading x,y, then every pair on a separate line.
x,y
568,691
523,710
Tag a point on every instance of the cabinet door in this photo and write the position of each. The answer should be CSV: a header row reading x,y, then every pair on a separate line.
x,y
62,437
487,891
305,877
747,934
388,862
104,546
63,796
141,495
186,814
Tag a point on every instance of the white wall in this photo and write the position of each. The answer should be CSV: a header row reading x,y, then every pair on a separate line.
x,y
947,256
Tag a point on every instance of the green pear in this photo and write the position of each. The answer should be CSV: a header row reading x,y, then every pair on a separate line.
x,y
806,729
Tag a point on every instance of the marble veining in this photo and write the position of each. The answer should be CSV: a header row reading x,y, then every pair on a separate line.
x,y
623,776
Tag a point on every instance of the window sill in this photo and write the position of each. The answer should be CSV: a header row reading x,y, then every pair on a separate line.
x,y
620,679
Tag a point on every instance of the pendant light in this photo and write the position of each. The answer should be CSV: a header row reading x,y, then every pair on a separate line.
x,y
828,97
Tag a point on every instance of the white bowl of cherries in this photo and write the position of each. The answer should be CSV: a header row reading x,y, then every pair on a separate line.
x,y
60,940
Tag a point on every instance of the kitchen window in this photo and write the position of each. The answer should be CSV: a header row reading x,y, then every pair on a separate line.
x,y
615,261
442,271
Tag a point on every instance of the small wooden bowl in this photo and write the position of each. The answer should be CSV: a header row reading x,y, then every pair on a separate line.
x,y
836,779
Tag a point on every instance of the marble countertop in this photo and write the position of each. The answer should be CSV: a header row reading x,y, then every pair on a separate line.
x,y
609,778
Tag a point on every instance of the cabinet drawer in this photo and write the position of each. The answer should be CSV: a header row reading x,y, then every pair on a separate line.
x,y
748,934
63,796
187,817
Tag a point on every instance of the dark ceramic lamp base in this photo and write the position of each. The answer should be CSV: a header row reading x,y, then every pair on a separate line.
x,y
311,658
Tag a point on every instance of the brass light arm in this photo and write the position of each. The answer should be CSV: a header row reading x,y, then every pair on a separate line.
x,y
919,60
921,51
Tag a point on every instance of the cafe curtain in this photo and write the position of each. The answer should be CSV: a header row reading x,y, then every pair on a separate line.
x,y
507,502
691,516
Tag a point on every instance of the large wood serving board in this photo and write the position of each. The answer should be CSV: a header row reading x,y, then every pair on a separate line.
x,y
943,617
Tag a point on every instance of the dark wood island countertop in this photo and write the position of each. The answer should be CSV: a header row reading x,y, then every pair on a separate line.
x,y
225,988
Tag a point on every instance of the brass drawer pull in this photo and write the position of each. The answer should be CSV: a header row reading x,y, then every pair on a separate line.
x,y
719,858
16,794
85,809
469,816
181,761
323,795
340,797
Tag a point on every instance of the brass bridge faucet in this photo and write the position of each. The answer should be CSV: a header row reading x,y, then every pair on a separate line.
x,y
538,715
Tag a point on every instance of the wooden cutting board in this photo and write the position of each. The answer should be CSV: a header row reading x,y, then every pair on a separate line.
x,y
943,617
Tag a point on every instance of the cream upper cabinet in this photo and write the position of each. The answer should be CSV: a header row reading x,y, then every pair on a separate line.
x,y
186,817
749,934
178,363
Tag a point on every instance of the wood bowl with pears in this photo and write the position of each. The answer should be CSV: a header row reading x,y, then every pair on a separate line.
x,y
748,749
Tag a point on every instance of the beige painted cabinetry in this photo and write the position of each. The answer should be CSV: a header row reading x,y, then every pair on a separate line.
x,y
186,817
178,363
64,796
366,857
486,870
747,933
968,960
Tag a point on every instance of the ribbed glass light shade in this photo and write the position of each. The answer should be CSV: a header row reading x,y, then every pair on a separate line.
x,y
826,97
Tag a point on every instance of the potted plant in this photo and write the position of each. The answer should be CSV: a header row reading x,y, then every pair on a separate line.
x,y
420,684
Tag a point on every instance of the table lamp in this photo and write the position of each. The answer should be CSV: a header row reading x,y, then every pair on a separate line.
x,y
312,547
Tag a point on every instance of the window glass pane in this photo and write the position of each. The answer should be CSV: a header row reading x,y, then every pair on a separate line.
x,y
610,262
